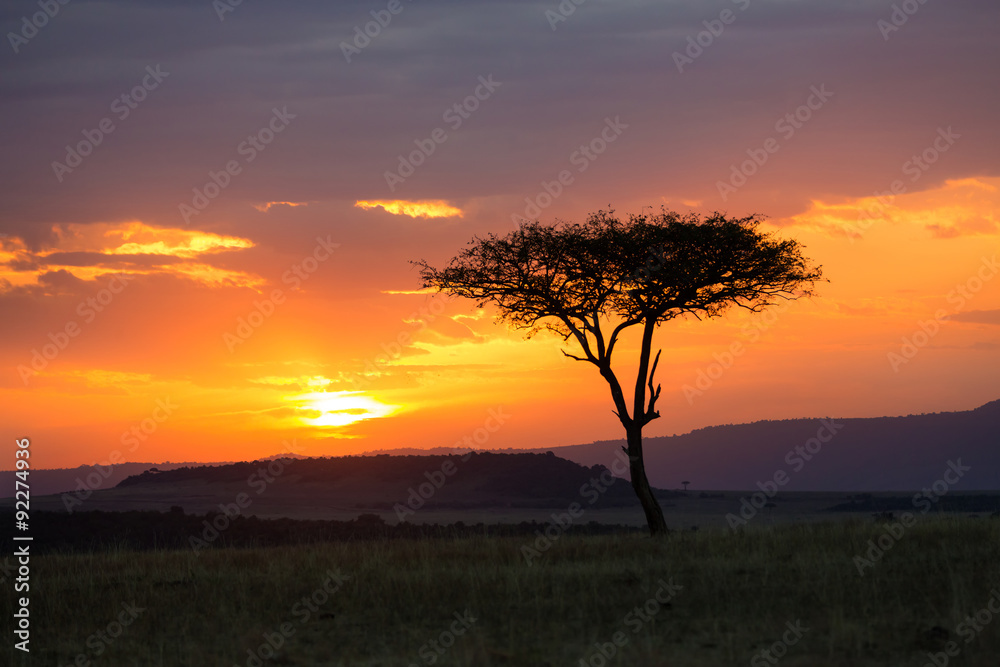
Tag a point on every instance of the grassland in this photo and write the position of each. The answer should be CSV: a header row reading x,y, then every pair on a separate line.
x,y
739,591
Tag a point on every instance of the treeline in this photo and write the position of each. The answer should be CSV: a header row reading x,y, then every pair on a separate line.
x,y
88,531
972,503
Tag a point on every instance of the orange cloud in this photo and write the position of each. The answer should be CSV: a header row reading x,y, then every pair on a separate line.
x,y
964,207
267,206
425,290
435,208
310,381
140,239
88,252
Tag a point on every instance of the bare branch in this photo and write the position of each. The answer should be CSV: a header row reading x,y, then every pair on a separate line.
x,y
613,339
573,356
654,394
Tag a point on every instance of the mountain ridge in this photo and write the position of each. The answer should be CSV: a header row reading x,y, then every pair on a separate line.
x,y
868,445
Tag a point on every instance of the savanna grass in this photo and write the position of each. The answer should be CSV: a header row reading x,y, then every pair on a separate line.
x,y
739,592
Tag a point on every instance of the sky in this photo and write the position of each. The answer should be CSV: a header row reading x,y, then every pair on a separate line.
x,y
208,212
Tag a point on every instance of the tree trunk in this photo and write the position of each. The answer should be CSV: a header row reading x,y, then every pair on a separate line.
x,y
640,484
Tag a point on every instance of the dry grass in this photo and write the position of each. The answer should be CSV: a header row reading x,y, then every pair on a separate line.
x,y
739,590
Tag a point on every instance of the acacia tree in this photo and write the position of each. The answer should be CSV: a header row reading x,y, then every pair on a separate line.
x,y
590,282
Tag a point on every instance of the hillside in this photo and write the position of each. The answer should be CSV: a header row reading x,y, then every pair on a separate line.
x,y
46,481
873,454
473,480
865,455
331,487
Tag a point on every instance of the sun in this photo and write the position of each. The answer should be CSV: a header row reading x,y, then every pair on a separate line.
x,y
340,408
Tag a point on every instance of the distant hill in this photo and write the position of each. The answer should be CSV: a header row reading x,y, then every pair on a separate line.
x,y
868,454
872,454
56,480
46,481
415,451
353,484
380,482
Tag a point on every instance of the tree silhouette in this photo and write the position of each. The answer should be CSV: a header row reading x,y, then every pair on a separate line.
x,y
592,281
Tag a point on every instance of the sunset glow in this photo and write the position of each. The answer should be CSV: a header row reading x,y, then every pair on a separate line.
x,y
340,408
235,245
523,333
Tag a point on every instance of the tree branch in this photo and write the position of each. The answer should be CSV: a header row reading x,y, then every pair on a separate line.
x,y
621,408
654,394
573,356
617,330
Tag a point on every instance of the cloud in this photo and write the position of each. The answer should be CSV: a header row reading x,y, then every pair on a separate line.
x,y
961,207
303,383
88,252
415,209
423,290
978,317
966,227
267,206
139,239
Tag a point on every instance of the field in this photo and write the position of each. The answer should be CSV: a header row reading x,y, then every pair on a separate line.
x,y
709,597
290,499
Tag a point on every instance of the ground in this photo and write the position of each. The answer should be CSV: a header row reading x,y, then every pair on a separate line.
x,y
709,597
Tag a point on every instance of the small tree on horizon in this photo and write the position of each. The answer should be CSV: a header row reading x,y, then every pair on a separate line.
x,y
592,281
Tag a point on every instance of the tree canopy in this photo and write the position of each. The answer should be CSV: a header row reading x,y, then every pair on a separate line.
x,y
593,280
568,277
